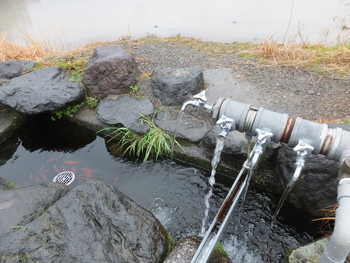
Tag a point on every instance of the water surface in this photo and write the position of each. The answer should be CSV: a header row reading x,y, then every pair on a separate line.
x,y
80,21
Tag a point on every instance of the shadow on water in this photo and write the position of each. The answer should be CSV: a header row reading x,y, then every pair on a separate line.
x,y
42,148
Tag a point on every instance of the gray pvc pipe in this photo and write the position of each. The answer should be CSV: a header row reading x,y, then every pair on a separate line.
x,y
338,247
334,143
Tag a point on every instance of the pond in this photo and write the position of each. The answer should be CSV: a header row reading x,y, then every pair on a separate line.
x,y
76,22
173,192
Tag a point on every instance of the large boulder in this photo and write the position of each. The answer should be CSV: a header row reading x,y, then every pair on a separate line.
x,y
42,90
172,86
14,68
20,206
94,222
110,70
125,111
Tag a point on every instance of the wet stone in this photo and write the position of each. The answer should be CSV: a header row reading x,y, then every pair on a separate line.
x,y
125,111
94,222
172,86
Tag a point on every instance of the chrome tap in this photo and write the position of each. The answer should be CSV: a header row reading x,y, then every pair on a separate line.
x,y
199,101
263,138
226,124
302,149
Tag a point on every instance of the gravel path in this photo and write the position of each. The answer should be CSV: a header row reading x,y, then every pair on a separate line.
x,y
293,90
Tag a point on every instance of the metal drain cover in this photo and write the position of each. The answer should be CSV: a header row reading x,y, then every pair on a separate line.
x,y
65,177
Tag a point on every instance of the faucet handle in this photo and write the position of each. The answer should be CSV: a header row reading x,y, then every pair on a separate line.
x,y
263,136
200,96
302,148
224,120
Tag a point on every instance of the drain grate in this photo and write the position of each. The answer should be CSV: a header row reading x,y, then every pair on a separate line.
x,y
65,177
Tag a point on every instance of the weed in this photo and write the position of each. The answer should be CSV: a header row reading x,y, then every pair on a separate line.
x,y
134,89
328,220
69,111
75,65
92,102
156,143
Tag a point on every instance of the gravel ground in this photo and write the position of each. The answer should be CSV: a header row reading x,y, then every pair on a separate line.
x,y
293,90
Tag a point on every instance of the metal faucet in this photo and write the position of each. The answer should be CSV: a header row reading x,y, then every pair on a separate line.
x,y
199,101
226,124
263,138
302,149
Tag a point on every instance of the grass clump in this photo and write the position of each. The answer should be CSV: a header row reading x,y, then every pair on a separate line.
x,y
156,143
69,111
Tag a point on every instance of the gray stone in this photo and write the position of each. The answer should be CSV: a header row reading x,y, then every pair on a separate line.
x,y
190,128
42,90
318,187
110,70
20,206
14,68
94,222
172,86
125,111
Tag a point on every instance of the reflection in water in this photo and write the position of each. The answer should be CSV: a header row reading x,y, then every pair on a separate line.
x,y
227,21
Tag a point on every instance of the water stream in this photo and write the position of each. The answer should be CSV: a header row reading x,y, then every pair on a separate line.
x,y
220,143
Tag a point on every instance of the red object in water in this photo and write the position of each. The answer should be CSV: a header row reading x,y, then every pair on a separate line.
x,y
72,162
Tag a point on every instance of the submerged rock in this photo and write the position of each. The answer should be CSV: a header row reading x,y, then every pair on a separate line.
x,y
94,222
110,70
42,90
187,247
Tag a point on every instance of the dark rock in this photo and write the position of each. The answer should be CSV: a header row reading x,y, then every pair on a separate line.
x,y
110,70
318,187
14,68
125,111
190,128
172,86
187,247
45,89
20,206
94,222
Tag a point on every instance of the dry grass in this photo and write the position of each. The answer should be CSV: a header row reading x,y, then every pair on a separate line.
x,y
34,49
317,57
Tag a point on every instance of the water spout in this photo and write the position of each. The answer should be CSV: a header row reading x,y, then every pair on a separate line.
x,y
199,101
226,125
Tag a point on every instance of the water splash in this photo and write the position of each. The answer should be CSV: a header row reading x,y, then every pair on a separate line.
x,y
220,142
178,121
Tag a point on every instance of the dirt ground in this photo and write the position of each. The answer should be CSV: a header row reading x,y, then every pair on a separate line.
x,y
296,91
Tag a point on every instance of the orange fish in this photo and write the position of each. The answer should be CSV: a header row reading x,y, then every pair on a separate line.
x,y
44,176
56,168
72,162
31,176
